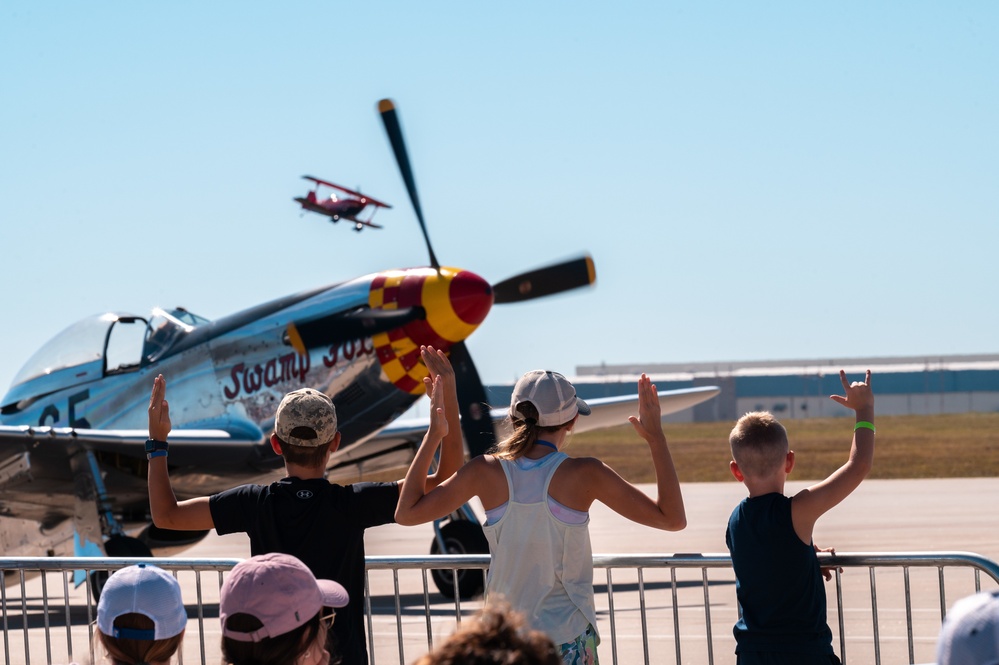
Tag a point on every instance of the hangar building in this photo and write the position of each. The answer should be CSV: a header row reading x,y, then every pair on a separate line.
x,y
801,388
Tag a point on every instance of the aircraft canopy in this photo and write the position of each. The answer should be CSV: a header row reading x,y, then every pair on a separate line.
x,y
87,349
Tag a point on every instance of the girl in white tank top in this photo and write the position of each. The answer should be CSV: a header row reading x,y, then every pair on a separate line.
x,y
537,501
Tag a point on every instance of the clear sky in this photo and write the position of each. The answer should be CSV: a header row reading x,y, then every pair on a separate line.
x,y
753,180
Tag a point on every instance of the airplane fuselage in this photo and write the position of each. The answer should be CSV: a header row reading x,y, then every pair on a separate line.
x,y
230,375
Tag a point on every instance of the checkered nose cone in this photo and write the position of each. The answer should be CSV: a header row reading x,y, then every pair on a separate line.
x,y
456,302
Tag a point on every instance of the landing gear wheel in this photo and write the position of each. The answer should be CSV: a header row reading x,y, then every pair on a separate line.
x,y
460,537
116,546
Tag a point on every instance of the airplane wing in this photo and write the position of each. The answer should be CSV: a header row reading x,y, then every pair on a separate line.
x,y
367,199
237,440
613,411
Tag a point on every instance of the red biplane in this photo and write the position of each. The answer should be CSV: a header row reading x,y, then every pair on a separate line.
x,y
341,207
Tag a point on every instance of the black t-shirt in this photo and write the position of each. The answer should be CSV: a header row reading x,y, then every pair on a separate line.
x,y
320,523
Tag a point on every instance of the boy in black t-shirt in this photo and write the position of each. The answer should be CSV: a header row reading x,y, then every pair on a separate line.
x,y
303,514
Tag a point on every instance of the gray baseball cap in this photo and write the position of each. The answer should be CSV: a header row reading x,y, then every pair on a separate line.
x,y
306,408
551,394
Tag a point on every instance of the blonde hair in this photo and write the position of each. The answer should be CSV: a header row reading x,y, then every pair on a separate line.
x,y
525,433
759,444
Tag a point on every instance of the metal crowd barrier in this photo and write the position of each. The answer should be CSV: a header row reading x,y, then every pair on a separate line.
x,y
651,608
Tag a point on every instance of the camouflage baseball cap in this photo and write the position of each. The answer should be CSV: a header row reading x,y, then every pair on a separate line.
x,y
305,417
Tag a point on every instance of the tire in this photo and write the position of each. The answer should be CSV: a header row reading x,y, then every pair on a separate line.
x,y
460,537
116,546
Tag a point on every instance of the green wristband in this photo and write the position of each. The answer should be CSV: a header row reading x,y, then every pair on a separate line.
x,y
863,424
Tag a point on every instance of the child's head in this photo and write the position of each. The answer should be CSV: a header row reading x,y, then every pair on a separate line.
x,y
759,444
542,403
497,637
140,615
970,633
270,609
305,427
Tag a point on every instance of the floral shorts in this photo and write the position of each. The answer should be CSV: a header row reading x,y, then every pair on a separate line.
x,y
582,650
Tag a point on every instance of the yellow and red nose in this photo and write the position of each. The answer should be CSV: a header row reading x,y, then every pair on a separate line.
x,y
456,301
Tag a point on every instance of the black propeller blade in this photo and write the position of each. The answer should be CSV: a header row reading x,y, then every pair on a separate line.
x,y
476,425
345,326
394,131
546,281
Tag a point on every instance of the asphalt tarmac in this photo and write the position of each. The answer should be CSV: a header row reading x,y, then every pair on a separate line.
x,y
881,516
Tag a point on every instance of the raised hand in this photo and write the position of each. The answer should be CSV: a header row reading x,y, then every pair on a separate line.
x,y
437,363
438,428
648,423
858,395
159,411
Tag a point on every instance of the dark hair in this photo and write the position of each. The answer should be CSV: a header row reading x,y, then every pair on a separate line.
x,y
496,637
281,650
525,433
125,651
308,456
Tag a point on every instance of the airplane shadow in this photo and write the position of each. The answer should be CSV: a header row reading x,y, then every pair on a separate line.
x,y
413,604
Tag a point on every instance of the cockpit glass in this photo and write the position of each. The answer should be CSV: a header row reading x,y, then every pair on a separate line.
x,y
79,344
166,327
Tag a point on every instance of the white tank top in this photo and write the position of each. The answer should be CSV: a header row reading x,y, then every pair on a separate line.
x,y
541,565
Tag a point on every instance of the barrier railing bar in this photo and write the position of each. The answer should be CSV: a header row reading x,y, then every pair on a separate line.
x,y
676,614
839,613
908,615
69,623
610,615
874,617
426,610
642,613
6,644
943,592
707,613
24,615
369,613
45,619
398,615
90,613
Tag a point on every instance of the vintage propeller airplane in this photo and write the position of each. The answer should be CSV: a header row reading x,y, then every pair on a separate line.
x,y
341,207
72,463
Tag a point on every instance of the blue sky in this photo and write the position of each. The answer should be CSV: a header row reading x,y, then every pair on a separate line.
x,y
754,181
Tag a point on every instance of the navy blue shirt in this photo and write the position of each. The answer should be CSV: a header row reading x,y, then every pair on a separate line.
x,y
322,524
777,580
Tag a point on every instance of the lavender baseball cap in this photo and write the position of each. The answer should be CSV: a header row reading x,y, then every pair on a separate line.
x,y
280,591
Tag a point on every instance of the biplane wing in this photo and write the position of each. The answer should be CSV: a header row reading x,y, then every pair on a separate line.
x,y
364,197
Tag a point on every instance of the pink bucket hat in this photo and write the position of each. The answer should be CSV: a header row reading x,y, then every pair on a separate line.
x,y
279,591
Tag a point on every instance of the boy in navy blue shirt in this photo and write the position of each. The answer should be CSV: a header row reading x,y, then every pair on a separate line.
x,y
778,580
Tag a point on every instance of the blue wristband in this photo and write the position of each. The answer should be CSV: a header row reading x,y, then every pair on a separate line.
x,y
156,453
152,445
